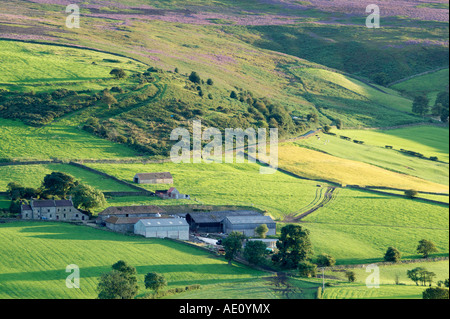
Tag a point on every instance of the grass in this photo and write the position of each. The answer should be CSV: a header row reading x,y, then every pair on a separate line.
x,y
388,289
225,184
35,256
56,140
428,84
428,140
40,67
374,154
317,165
33,175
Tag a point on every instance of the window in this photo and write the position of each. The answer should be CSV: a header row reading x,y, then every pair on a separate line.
x,y
76,215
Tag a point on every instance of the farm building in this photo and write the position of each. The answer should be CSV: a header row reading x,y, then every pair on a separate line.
x,y
52,210
153,178
248,224
126,224
172,193
130,211
212,222
269,242
176,228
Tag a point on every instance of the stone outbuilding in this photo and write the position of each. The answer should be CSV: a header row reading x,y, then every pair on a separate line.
x,y
153,178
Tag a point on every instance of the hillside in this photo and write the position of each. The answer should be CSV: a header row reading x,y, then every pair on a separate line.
x,y
109,94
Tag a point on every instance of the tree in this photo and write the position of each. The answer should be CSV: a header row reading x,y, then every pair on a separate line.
x,y
339,124
426,247
307,269
262,230
415,274
351,276
210,82
255,251
114,285
118,73
420,105
195,78
58,183
436,293
411,193
233,95
327,129
421,275
325,260
381,79
86,197
392,255
120,283
312,117
293,246
155,282
232,245
108,99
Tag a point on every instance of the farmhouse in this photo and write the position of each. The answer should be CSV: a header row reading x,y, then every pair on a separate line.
x,y
130,211
172,193
212,222
153,178
176,228
248,224
52,210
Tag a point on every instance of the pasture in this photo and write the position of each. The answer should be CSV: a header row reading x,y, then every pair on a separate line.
x,y
377,155
318,165
406,289
35,256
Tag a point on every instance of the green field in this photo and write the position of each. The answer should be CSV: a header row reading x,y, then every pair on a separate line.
x,y
33,175
373,153
225,184
429,84
35,256
388,289
19,141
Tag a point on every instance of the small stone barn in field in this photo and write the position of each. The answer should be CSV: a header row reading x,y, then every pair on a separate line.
x,y
248,224
175,228
212,222
153,178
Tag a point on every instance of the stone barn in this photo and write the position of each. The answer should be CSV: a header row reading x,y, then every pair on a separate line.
x,y
153,178
171,193
175,228
248,224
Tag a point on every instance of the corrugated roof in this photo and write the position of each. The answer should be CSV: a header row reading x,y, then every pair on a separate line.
x,y
250,220
217,217
164,222
151,209
147,176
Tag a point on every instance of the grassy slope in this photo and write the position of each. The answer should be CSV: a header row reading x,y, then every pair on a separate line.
x,y
33,175
376,155
317,165
429,84
35,256
224,184
388,289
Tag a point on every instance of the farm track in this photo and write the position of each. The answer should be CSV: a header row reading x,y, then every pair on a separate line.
x,y
328,196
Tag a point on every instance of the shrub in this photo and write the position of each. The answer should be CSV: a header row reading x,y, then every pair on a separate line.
x,y
411,193
307,269
392,255
325,260
210,82
195,78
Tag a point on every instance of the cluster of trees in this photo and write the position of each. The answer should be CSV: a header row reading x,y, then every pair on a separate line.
x,y
421,106
121,283
57,184
425,248
39,109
